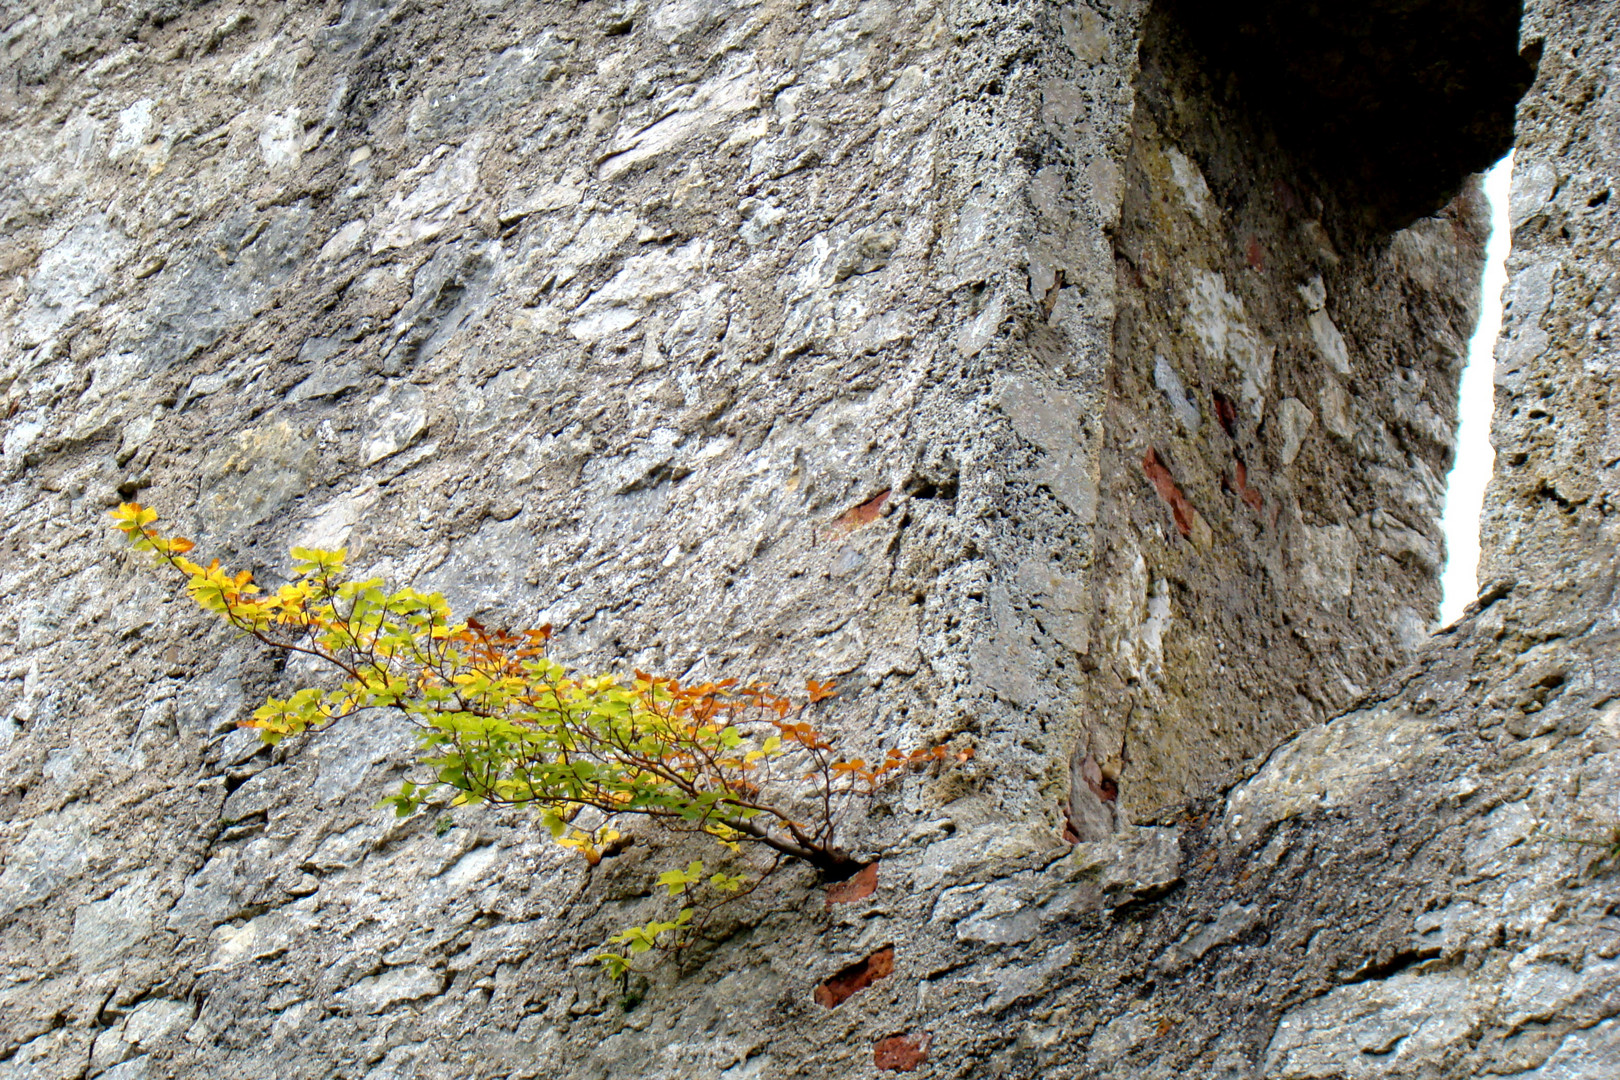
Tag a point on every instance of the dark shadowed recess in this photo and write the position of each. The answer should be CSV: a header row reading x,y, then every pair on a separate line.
x,y
1394,102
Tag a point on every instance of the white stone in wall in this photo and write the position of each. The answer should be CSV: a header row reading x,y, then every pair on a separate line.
x,y
1337,414
1327,765
1294,421
69,276
1528,298
1122,1035
254,472
264,936
1193,187
1588,1052
107,930
1175,392
442,185
154,1019
762,221
333,522
1140,606
1216,318
281,141
1369,1030
1411,630
398,416
558,196
1328,562
343,243
1532,187
17,441
134,128
704,108
1330,344
55,848
1051,420
975,335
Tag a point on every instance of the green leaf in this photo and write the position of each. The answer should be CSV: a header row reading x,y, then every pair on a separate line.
x,y
677,881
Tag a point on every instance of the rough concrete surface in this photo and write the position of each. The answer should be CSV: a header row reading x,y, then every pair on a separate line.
x,y
1027,367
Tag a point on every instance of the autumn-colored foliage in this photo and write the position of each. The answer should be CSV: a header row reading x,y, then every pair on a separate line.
x,y
499,721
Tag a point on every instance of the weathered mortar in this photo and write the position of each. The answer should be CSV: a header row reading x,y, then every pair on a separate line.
x,y
613,315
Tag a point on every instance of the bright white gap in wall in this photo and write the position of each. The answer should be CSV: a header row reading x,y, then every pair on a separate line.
x,y
1465,487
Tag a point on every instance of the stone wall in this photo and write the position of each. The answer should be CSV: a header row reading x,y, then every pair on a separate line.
x,y
1287,381
868,341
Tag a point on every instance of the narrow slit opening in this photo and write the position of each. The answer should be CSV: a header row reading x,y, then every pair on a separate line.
x,y
1475,457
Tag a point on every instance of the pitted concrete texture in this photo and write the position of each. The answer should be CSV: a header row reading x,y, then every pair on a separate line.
x,y
1020,366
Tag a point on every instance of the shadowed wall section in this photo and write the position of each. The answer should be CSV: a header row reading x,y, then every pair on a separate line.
x,y
1283,403
1392,102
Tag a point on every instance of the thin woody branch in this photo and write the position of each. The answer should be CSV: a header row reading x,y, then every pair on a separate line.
x,y
501,722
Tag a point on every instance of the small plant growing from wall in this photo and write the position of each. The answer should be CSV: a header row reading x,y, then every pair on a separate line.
x,y
499,721
1601,846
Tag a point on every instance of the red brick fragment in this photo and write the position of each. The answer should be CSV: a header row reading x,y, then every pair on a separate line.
x,y
1226,412
859,887
1102,785
844,985
902,1053
864,514
1169,491
1071,832
1050,301
1287,196
1239,485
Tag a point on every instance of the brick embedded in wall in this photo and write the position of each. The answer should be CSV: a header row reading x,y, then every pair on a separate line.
x,y
902,1053
855,978
1165,484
